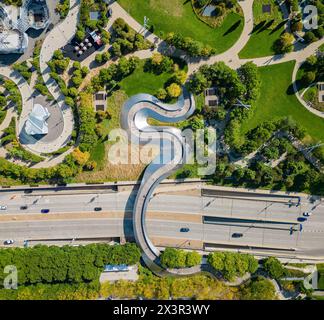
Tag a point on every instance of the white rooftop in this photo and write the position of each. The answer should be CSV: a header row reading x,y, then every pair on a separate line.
x,y
36,123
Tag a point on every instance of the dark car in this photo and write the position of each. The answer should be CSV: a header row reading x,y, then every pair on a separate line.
x,y
301,219
23,208
184,230
97,209
45,211
237,235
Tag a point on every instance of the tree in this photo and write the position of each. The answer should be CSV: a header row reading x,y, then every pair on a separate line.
x,y
250,77
193,258
161,94
310,37
105,36
156,59
84,71
285,43
296,26
3,101
274,267
173,258
69,101
80,157
77,80
259,289
308,77
174,90
116,49
98,58
232,264
73,92
180,77
198,83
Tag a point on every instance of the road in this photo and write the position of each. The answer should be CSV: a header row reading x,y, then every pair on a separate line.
x,y
180,211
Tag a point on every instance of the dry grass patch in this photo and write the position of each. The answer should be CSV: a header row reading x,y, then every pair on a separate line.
x,y
172,8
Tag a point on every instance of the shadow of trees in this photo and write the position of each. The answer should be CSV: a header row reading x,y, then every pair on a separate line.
x,y
232,28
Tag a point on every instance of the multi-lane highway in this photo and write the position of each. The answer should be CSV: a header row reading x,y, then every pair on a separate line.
x,y
262,223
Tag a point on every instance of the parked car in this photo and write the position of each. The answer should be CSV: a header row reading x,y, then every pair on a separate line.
x,y
300,227
184,229
45,211
301,219
237,235
97,209
307,213
3,207
23,208
8,242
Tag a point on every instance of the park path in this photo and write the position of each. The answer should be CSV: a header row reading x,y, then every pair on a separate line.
x,y
58,38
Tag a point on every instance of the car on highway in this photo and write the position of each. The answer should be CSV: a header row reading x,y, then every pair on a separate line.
x,y
8,242
97,209
23,208
184,229
307,213
45,211
237,235
3,207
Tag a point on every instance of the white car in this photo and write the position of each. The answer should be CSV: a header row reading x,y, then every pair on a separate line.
x,y
3,207
307,213
7,242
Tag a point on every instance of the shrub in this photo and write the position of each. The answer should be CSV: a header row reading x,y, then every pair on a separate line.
x,y
274,267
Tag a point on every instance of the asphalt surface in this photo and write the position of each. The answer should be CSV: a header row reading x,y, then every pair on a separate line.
x,y
274,235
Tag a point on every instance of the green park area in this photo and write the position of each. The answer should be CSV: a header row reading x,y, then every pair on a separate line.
x,y
277,100
178,16
268,26
142,79
320,269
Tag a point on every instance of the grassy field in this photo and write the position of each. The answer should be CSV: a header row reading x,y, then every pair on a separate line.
x,y
267,29
259,16
260,44
320,268
178,16
143,82
277,101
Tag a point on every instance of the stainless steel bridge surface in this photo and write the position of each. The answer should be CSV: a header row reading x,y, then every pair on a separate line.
x,y
173,151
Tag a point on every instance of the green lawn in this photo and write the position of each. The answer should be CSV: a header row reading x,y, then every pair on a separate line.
x,y
259,15
143,82
267,29
260,44
277,101
178,16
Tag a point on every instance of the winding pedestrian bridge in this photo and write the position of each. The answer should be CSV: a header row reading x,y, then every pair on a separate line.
x,y
173,150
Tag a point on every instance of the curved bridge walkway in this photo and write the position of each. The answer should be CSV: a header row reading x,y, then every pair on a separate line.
x,y
172,155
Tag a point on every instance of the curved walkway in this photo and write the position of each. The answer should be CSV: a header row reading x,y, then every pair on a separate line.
x,y
134,117
56,39
299,97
